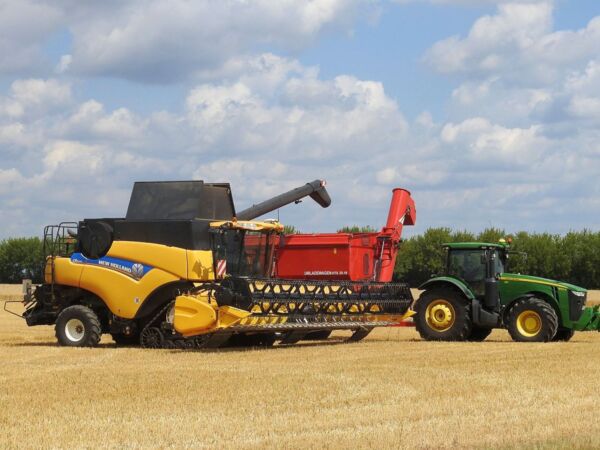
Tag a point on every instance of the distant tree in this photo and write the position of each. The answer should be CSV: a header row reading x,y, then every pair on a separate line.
x,y
357,229
290,229
491,235
21,258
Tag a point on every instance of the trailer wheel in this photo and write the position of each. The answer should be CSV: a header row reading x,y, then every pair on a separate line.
x,y
479,334
563,334
443,315
532,320
78,326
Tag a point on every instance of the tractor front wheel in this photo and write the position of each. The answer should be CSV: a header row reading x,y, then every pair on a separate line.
x,y
78,326
532,320
443,315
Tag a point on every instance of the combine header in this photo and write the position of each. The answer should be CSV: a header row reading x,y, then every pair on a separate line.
x,y
183,270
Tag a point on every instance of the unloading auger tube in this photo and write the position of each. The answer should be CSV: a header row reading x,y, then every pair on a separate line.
x,y
268,310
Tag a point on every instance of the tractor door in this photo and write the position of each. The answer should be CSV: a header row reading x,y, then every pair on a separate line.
x,y
469,265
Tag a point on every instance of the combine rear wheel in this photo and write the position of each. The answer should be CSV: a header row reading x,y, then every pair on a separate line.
x,y
78,326
443,315
532,320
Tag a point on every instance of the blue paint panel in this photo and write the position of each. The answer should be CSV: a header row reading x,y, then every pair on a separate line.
x,y
133,269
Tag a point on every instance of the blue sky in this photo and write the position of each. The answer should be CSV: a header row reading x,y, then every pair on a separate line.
x,y
488,111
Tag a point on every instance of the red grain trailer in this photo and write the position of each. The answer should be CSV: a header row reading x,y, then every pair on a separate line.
x,y
347,256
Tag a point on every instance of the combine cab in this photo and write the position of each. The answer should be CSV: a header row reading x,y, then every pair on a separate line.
x,y
183,270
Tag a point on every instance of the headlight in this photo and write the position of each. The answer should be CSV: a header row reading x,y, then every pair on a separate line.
x,y
578,294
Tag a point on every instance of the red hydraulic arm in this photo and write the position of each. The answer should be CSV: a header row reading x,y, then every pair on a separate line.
x,y
402,212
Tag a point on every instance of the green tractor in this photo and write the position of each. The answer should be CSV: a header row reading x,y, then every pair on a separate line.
x,y
477,294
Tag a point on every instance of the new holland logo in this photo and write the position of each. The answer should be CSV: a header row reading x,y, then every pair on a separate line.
x,y
137,270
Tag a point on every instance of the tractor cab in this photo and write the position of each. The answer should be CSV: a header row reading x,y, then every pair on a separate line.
x,y
244,248
474,262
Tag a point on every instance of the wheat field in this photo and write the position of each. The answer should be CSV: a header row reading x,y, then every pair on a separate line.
x,y
390,391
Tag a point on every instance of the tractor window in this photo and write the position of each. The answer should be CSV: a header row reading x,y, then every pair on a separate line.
x,y
498,264
468,266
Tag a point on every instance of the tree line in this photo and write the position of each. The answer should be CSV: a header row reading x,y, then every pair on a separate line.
x,y
573,257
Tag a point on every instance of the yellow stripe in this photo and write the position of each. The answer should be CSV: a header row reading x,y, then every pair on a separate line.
x,y
547,283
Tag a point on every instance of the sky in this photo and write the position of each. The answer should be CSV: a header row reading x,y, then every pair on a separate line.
x,y
487,111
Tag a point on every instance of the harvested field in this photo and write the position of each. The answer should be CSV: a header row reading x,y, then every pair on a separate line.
x,y
390,391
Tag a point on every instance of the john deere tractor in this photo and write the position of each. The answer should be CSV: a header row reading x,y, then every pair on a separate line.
x,y
477,294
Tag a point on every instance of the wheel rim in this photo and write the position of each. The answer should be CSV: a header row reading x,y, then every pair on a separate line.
x,y
440,315
74,330
529,323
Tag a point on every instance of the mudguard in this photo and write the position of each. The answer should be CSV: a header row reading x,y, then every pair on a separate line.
x,y
445,281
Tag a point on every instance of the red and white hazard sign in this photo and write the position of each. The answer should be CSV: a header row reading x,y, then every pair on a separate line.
x,y
221,268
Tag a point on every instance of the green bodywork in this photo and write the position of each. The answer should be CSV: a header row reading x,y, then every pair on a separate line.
x,y
567,299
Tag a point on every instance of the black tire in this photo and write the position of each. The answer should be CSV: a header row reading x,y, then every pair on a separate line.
x,y
563,334
479,334
78,326
317,335
458,308
543,318
126,341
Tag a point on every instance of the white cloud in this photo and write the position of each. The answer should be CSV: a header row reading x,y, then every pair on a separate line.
x,y
517,43
160,42
24,25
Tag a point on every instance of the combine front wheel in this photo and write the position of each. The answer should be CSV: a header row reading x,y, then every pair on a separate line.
x,y
532,320
78,326
443,316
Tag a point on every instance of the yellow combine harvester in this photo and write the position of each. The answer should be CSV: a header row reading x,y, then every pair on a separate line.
x,y
180,270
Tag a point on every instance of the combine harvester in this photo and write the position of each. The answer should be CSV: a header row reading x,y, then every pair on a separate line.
x,y
182,269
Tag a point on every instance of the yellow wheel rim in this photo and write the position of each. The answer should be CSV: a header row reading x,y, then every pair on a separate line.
x,y
529,323
440,315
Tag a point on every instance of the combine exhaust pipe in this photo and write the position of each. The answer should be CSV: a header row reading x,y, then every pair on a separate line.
x,y
315,189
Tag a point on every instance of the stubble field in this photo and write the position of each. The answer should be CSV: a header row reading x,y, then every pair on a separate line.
x,y
389,391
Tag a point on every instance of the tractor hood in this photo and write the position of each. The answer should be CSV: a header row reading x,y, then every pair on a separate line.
x,y
539,280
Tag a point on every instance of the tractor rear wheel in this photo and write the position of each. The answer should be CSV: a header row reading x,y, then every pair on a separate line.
x,y
479,334
443,315
563,334
532,320
78,326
